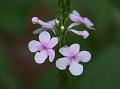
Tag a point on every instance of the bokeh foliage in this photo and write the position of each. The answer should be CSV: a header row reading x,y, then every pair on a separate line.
x,y
104,69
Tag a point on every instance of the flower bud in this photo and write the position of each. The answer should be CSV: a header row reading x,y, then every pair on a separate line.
x,y
35,20
85,34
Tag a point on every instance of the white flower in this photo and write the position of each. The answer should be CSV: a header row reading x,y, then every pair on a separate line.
x,y
71,58
44,47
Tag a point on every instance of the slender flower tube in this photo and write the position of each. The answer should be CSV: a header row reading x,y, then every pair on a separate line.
x,y
84,33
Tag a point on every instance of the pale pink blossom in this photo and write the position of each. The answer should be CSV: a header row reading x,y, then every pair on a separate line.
x,y
77,18
43,47
71,58
45,26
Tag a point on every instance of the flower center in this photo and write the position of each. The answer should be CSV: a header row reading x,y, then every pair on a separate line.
x,y
45,46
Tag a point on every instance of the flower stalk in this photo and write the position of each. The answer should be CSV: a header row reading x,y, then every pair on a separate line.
x,y
62,17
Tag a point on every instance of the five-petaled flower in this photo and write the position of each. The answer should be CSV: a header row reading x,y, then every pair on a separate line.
x,y
44,47
72,57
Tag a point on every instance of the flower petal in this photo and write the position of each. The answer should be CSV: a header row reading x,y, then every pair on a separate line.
x,y
33,46
51,54
76,13
64,51
74,18
84,56
53,42
40,57
88,23
52,22
74,49
62,63
44,37
76,68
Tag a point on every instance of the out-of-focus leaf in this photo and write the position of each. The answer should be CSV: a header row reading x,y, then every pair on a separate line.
x,y
14,14
49,80
6,79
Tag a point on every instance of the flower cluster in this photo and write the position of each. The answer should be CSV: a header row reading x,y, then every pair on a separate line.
x,y
71,56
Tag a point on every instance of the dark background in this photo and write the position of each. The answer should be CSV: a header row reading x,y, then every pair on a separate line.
x,y
18,69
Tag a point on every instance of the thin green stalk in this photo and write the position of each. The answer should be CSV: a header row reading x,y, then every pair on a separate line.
x,y
62,16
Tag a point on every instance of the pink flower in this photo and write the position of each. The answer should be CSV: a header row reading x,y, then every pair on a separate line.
x,y
75,17
71,58
44,25
44,47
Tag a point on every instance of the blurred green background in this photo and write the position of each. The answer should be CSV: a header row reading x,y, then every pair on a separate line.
x,y
18,69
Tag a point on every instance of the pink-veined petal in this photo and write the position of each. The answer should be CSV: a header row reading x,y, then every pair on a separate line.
x,y
84,56
74,49
51,54
76,68
40,57
62,63
44,37
53,42
64,51
33,46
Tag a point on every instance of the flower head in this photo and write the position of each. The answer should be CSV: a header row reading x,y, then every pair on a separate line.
x,y
49,25
71,58
75,17
43,47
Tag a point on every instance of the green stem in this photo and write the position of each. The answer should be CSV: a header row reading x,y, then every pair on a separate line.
x,y
62,16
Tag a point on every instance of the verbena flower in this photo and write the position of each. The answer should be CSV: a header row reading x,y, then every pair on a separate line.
x,y
76,18
43,47
71,58
49,25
